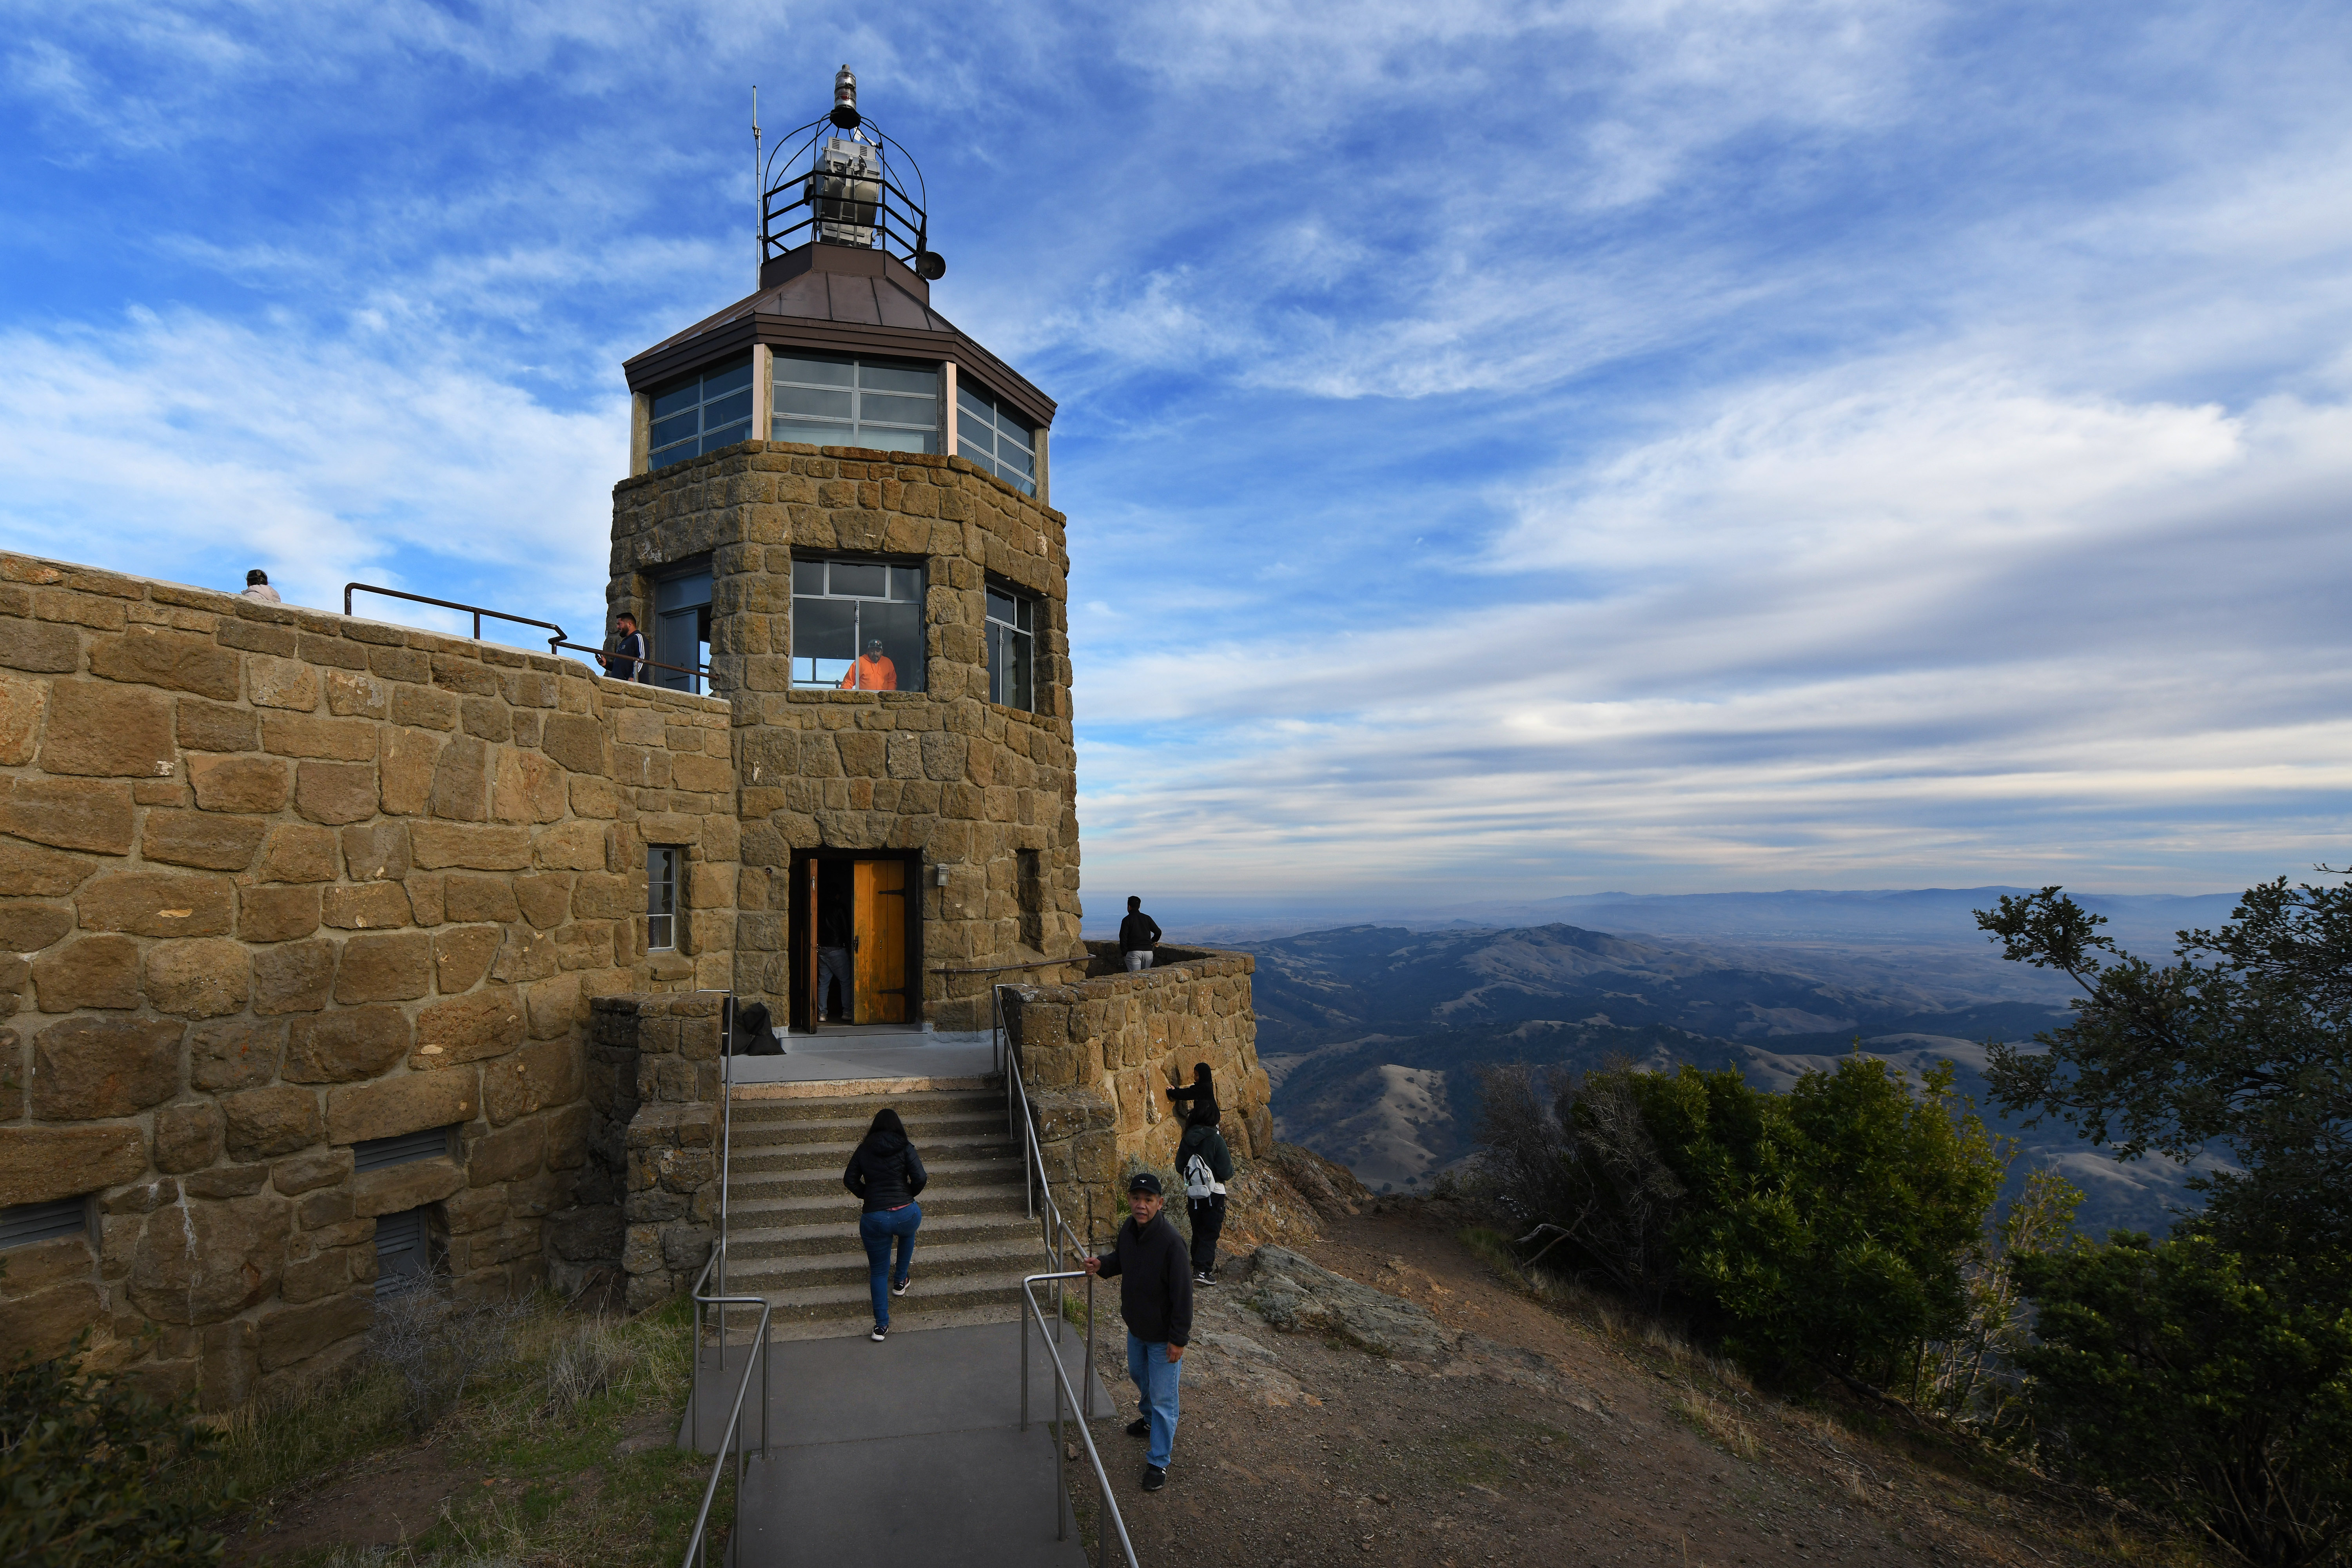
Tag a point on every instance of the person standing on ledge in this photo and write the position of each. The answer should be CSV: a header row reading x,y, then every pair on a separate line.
x,y
628,655
257,587
1155,1297
1138,935
872,672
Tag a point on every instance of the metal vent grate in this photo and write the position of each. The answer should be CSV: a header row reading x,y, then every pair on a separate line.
x,y
433,1143
27,1223
403,1259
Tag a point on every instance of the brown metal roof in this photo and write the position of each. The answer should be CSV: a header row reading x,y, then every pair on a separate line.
x,y
842,300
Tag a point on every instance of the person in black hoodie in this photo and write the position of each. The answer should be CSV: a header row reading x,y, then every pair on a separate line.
x,y
886,1173
1155,1297
1205,1166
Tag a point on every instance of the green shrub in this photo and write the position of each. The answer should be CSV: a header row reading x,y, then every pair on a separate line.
x,y
82,1463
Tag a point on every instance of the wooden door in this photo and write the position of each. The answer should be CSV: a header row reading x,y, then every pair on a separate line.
x,y
881,939
813,997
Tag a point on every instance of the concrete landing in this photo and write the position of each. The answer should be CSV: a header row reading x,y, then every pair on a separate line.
x,y
908,1451
895,1056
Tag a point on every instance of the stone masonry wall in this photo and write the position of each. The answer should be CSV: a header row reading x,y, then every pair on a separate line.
x,y
274,882
1099,1054
653,1082
968,782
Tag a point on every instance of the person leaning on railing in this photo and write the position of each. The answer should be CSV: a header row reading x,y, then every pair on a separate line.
x,y
627,660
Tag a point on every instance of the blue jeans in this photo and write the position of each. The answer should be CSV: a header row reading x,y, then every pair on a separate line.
x,y
876,1230
1155,1382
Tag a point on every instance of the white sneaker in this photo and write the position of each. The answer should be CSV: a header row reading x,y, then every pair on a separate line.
x,y
900,1287
879,1332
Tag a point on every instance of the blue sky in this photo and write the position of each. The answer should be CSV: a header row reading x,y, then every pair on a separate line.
x,y
1510,451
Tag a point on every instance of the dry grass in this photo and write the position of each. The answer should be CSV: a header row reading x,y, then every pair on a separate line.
x,y
1719,1425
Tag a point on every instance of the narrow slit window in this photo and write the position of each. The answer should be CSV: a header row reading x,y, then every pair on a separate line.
x,y
1011,649
857,625
404,1149
701,414
661,898
404,1251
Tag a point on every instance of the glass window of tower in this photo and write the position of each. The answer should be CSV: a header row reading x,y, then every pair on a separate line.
x,y
1011,649
991,434
857,625
832,400
701,414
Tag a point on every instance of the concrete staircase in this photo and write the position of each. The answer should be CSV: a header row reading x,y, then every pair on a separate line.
x,y
794,1226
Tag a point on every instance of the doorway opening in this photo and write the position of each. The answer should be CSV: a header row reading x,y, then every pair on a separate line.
x,y
856,937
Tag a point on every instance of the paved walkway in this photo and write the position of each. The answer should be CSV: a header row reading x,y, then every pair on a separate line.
x,y
905,1452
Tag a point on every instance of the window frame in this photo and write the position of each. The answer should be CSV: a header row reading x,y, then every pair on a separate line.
x,y
655,886
921,601
978,407
998,633
850,428
660,455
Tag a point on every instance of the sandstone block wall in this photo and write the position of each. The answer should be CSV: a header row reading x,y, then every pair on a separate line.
x,y
970,782
274,882
654,1091
1098,1055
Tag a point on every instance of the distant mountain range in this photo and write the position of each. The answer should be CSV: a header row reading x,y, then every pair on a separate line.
x,y
1374,1033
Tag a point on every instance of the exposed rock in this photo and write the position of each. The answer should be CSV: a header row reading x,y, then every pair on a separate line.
x,y
1297,1295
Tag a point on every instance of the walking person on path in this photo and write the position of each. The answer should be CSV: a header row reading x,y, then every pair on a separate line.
x,y
1138,935
1205,1165
886,1173
1155,1297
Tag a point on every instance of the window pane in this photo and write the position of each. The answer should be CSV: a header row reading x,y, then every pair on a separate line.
x,y
668,431
896,410
823,628
1011,460
668,402
1011,423
808,576
907,583
867,581
1022,693
825,372
726,436
678,454
969,407
805,400
883,439
999,607
726,411
720,382
819,674
809,430
899,629
968,448
675,592
1028,621
899,378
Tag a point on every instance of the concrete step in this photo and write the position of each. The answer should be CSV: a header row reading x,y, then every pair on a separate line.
x,y
947,1177
747,1155
753,1211
851,1129
837,1234
860,1107
792,1278
950,1293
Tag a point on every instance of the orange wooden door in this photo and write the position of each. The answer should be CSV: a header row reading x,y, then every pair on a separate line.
x,y
881,914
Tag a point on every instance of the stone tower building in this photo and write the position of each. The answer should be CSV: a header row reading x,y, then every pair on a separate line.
x,y
826,472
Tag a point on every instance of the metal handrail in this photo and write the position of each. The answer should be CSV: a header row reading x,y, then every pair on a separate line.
x,y
697,1546
697,670
1059,1240
476,610
1062,1512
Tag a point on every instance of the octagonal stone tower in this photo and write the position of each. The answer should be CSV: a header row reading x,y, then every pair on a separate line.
x,y
837,518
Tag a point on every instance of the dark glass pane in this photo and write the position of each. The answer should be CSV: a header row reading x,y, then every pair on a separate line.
x,y
857,577
883,439
899,629
1011,423
1014,461
975,408
808,576
824,371
899,378
1022,693
896,410
996,662
907,584
726,411
968,448
999,607
1028,622
809,430
676,592
718,383
825,629
678,454
668,402
668,432
728,436
1026,487
806,400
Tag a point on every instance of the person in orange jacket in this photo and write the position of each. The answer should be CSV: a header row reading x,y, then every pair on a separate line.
x,y
875,672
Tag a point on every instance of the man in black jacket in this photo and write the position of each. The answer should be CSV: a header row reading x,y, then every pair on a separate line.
x,y
1138,934
627,662
1155,1297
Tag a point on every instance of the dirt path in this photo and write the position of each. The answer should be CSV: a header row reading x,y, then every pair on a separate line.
x,y
1589,1450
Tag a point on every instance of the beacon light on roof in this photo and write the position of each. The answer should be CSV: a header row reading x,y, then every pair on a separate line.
x,y
847,190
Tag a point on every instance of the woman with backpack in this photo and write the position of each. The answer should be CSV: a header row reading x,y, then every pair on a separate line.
x,y
886,1173
1205,1166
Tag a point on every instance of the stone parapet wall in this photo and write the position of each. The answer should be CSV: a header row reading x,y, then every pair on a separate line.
x,y
1098,1055
274,882
655,1067
968,783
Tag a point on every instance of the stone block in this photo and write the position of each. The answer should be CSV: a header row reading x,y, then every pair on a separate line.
x,y
594,797
30,927
201,839
84,1069
426,905
156,903
486,718
526,954
96,971
330,1210
405,773
439,845
335,792
200,1263
527,787
408,1102
366,905
575,847
297,852
461,781
553,1006
507,1154
209,727
266,1122
307,1171
108,731
345,1044
26,869
544,899
149,655
354,694
540,1077
575,741
282,683
42,1164
385,968
601,895
67,813
423,708
396,1189
306,735
258,636
462,954
39,647
468,1028
22,703
45,1323
275,914
226,1182
205,977
297,977
235,1054
465,898
327,1273
709,775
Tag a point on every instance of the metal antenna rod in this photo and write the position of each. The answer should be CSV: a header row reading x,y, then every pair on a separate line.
x,y
759,207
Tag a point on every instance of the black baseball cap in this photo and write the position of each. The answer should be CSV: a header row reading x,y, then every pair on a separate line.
x,y
1144,1181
